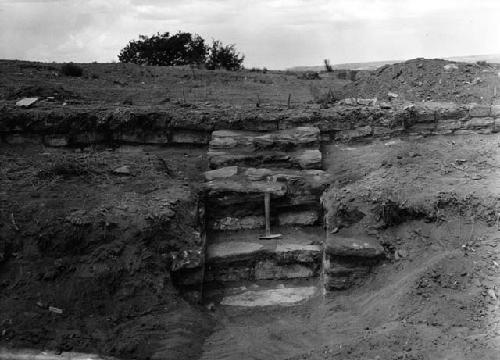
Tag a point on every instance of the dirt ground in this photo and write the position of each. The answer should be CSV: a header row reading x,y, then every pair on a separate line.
x,y
129,84
83,235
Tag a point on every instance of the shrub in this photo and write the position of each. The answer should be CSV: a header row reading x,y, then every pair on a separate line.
x,y
165,49
71,69
180,49
224,57
328,66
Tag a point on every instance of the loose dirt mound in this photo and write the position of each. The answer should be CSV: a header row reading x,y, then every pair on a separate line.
x,y
423,79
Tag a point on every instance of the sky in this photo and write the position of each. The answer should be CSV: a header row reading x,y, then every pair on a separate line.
x,y
276,34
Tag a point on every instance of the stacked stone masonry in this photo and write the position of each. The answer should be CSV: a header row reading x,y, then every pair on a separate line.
x,y
68,126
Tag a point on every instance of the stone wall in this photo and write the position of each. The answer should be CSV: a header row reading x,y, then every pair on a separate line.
x,y
81,127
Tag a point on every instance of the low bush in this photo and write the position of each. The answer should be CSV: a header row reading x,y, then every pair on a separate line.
x,y
71,69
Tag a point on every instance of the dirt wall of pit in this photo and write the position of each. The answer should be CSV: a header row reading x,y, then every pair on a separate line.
x,y
62,127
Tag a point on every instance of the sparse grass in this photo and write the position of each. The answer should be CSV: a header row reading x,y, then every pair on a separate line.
x,y
151,84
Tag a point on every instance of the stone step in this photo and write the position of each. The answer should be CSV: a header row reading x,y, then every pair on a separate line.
x,y
235,196
301,159
292,148
241,255
264,293
348,260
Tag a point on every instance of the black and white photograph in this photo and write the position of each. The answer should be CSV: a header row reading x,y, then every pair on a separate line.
x,y
249,180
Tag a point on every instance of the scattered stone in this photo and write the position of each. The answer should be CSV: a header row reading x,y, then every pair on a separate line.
x,y
224,172
384,105
392,96
27,102
55,310
270,297
254,174
450,67
227,251
122,170
230,223
400,254
309,217
268,270
344,246
492,294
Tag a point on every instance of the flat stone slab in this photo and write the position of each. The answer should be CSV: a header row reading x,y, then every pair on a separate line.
x,y
234,250
269,270
349,246
292,148
221,173
299,159
26,102
32,354
238,192
297,247
288,139
270,297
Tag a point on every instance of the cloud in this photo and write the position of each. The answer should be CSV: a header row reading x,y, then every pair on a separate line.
x,y
272,33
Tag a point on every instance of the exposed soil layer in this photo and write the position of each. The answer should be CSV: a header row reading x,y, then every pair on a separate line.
x,y
83,234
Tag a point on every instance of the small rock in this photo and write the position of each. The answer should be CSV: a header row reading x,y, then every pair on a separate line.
x,y
392,95
400,254
55,310
412,154
476,177
122,170
491,294
450,67
26,102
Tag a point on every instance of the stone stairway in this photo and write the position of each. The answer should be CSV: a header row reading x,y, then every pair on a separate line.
x,y
240,268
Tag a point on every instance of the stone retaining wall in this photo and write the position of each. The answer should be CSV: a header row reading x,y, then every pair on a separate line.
x,y
82,127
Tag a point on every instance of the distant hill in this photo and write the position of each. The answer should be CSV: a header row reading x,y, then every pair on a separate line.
x,y
372,65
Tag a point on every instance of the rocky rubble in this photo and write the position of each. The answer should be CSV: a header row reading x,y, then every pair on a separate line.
x,y
429,79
